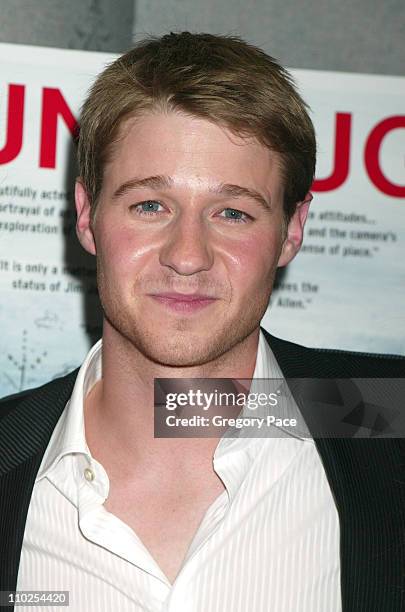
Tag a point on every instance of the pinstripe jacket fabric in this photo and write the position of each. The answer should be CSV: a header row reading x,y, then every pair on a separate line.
x,y
367,476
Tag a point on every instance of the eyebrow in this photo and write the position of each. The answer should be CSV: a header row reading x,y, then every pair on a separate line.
x,y
236,191
166,182
153,182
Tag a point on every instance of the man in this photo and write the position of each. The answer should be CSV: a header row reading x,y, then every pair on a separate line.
x,y
196,156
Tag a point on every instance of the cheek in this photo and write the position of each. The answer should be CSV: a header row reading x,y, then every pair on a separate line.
x,y
123,249
252,261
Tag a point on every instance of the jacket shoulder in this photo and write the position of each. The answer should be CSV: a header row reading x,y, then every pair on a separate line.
x,y
301,361
11,402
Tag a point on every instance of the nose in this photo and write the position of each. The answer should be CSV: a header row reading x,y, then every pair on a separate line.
x,y
186,248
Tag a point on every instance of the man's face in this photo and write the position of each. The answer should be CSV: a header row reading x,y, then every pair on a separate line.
x,y
188,235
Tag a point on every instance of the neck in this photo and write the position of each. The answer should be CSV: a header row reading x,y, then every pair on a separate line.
x,y
119,411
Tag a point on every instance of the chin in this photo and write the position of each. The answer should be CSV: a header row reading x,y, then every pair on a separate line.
x,y
190,348
183,343
172,349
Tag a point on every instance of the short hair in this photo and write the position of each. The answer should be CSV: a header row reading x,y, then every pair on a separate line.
x,y
222,79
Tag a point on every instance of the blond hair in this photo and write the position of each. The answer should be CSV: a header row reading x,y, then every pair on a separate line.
x,y
219,78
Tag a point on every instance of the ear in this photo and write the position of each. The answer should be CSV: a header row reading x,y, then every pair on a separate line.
x,y
84,229
295,232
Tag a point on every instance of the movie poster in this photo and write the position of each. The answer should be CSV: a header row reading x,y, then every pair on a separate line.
x,y
346,289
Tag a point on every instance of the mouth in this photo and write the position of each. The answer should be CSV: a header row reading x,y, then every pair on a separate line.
x,y
183,302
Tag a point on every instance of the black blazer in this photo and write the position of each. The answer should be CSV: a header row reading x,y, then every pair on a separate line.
x,y
366,476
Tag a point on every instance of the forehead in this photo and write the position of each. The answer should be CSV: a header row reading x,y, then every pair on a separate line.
x,y
190,149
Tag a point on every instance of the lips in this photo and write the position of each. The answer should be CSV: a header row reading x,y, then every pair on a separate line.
x,y
184,297
184,302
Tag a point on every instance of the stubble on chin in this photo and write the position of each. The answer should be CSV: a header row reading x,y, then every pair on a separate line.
x,y
182,342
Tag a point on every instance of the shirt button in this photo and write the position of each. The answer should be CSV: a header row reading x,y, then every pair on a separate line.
x,y
89,474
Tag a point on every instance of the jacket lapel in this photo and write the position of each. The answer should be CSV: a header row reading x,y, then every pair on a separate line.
x,y
24,435
367,479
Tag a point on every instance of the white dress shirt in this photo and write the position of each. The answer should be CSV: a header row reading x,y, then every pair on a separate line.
x,y
269,542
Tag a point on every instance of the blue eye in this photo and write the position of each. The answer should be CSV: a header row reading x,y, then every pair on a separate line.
x,y
149,207
235,215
